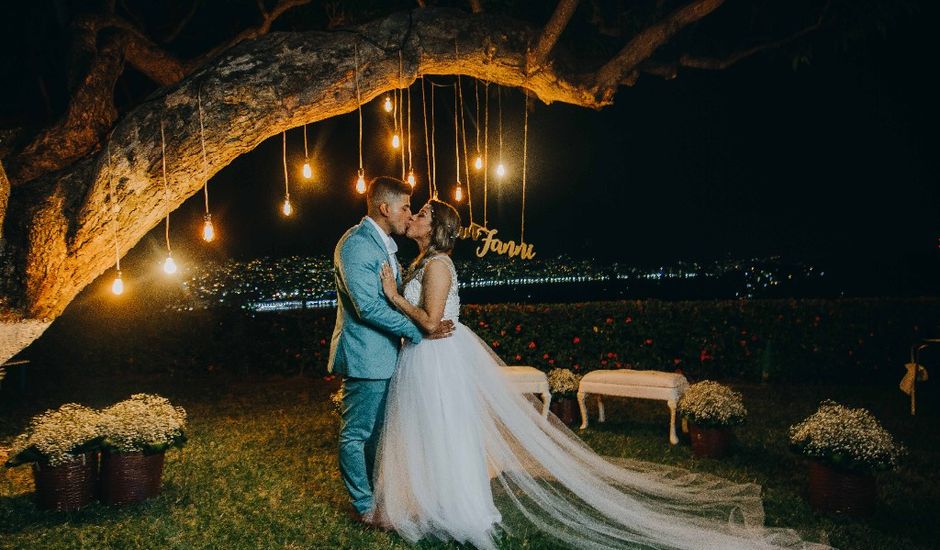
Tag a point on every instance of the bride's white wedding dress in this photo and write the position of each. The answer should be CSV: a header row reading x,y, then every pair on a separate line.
x,y
464,457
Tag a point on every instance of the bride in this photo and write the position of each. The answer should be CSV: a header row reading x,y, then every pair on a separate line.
x,y
463,457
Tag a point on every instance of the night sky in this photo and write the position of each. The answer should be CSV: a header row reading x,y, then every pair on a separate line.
x,y
833,163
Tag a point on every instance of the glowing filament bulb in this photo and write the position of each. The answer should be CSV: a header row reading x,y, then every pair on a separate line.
x,y
208,231
117,287
500,170
286,208
308,171
361,183
411,178
396,142
169,266
478,163
388,104
458,193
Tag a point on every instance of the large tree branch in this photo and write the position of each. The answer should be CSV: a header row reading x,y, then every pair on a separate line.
x,y
553,29
252,92
90,115
623,66
91,112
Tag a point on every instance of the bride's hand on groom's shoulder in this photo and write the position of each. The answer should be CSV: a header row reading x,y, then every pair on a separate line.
x,y
445,329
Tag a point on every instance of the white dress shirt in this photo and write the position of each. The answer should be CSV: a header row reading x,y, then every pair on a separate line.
x,y
390,246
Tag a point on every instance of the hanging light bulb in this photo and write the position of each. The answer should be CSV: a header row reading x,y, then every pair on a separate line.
x,y
208,231
308,171
388,104
396,141
286,208
411,178
361,183
500,170
458,193
169,266
117,287
478,163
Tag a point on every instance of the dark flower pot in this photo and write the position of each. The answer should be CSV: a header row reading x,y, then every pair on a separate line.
x,y
834,491
563,408
68,486
130,477
710,441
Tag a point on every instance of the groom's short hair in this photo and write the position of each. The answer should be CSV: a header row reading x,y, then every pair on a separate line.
x,y
385,189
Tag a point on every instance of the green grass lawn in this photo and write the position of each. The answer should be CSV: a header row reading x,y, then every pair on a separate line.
x,y
260,469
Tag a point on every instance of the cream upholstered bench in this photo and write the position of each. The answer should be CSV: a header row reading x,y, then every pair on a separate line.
x,y
643,384
530,380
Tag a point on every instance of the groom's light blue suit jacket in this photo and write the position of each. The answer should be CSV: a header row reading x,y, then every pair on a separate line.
x,y
368,329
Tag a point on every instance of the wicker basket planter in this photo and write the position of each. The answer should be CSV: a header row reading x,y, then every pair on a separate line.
x,y
563,408
67,486
710,441
833,491
130,477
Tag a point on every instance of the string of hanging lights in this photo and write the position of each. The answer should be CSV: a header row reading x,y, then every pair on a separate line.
x,y
208,230
500,167
478,162
458,190
117,287
307,169
361,180
286,208
169,266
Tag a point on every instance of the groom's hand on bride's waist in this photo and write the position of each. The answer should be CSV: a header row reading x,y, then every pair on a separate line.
x,y
445,329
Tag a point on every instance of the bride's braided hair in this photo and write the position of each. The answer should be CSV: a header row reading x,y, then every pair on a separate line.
x,y
445,228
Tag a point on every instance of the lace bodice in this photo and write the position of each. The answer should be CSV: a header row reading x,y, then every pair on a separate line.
x,y
413,292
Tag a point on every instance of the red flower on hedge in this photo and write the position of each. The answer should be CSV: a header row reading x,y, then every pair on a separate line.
x,y
628,320
482,323
576,367
575,340
495,343
532,345
704,356
518,328
611,355
323,342
551,361
603,362
610,320
545,356
518,357
676,361
648,341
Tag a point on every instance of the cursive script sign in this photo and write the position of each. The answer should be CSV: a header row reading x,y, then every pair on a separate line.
x,y
496,246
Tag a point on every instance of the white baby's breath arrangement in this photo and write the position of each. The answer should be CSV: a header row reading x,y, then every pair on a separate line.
x,y
145,422
709,403
846,438
563,382
58,436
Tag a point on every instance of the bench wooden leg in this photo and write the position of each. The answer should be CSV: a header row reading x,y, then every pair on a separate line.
x,y
601,414
584,412
546,403
673,438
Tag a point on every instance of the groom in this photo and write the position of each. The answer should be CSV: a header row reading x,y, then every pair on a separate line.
x,y
368,333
